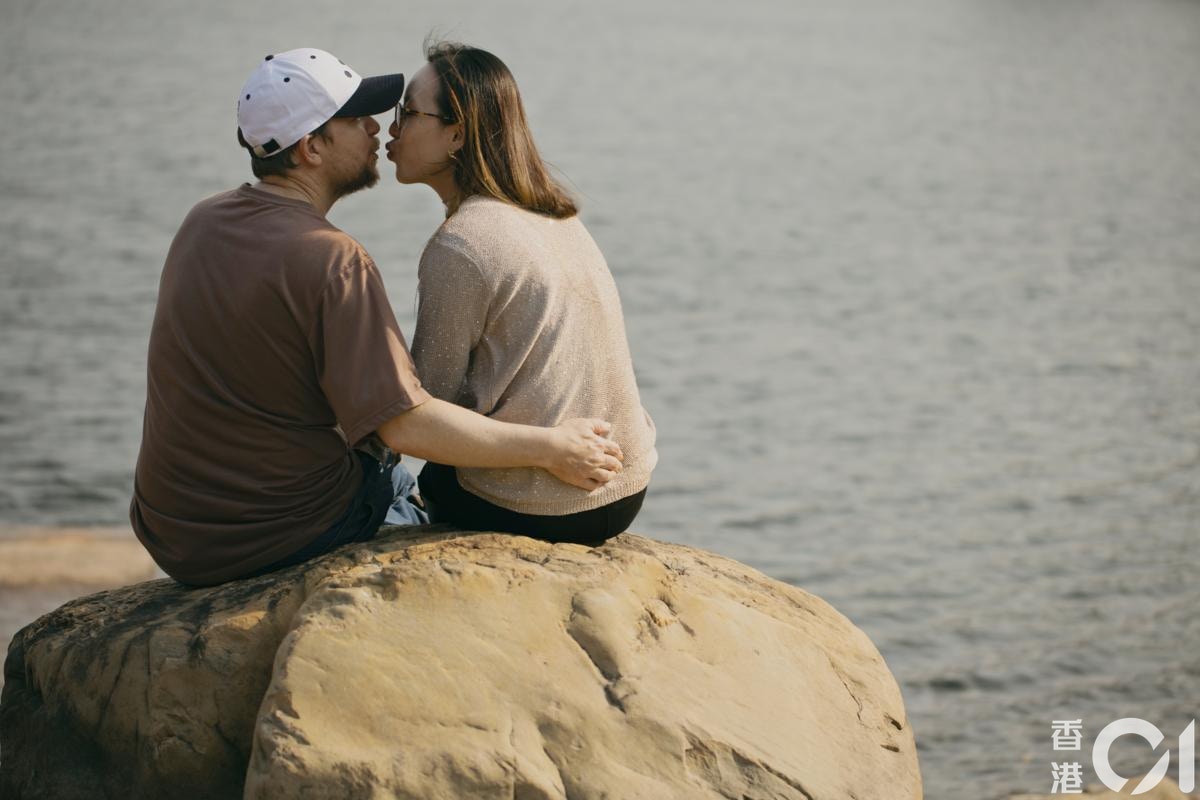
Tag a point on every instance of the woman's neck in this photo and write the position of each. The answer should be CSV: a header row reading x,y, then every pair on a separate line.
x,y
443,183
453,204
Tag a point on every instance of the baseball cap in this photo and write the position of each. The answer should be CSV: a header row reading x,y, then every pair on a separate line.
x,y
292,94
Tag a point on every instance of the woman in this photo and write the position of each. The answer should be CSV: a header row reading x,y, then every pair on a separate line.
x,y
518,315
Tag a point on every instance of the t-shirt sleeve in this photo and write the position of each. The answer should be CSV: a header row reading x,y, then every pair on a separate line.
x,y
452,308
363,363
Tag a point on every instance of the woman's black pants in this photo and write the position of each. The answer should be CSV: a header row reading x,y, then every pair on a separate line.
x,y
448,502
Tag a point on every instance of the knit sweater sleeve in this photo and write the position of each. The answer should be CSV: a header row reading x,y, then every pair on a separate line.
x,y
453,298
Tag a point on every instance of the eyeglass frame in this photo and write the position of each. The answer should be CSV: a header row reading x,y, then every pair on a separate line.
x,y
402,113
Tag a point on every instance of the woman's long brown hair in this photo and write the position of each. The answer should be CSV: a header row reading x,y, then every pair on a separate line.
x,y
498,158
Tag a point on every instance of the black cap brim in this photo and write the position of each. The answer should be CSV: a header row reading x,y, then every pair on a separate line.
x,y
374,96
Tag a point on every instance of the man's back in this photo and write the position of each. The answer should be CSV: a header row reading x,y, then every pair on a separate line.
x,y
245,451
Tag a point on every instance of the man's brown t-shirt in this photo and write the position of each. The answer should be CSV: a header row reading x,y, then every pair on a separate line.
x,y
273,350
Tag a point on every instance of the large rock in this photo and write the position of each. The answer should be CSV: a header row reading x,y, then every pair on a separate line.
x,y
42,568
430,664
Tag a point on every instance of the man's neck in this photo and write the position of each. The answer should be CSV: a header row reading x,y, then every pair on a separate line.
x,y
298,189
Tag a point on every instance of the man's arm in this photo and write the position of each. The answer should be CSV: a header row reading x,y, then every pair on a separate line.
x,y
575,452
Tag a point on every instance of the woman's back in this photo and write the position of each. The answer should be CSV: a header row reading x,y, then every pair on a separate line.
x,y
519,319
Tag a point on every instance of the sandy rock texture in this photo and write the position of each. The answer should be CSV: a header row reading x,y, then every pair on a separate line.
x,y
430,664
147,691
42,568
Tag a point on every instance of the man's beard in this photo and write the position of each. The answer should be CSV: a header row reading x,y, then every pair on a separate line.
x,y
364,180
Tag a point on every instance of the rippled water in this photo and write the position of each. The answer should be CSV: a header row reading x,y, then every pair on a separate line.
x,y
912,289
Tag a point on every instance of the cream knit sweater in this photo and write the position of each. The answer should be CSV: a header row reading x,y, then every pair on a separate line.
x,y
519,319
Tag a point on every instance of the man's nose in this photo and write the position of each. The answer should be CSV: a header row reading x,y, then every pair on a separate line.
x,y
372,126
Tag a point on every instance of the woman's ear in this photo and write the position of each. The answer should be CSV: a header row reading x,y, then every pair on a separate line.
x,y
458,137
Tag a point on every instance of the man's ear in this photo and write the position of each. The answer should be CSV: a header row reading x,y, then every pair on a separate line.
x,y
309,150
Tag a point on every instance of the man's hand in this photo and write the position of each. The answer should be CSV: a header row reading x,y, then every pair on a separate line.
x,y
577,452
583,455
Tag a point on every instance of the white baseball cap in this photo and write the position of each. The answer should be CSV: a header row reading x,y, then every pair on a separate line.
x,y
292,94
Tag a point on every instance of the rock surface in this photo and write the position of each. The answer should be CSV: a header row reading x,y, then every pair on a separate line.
x,y
431,664
42,568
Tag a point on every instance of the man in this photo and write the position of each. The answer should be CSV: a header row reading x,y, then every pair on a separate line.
x,y
274,352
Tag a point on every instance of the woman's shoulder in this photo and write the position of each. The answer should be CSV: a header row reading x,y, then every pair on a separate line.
x,y
489,230
479,214
501,218
474,222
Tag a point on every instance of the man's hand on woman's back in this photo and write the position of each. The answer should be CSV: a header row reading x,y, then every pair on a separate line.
x,y
587,458
577,451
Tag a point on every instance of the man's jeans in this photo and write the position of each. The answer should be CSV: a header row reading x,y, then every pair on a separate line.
x,y
383,499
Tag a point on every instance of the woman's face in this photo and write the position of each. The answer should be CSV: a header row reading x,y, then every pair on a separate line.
x,y
422,140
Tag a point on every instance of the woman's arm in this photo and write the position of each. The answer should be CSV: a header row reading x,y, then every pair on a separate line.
x,y
453,299
575,452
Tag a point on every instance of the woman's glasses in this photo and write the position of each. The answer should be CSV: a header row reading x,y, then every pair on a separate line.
x,y
403,113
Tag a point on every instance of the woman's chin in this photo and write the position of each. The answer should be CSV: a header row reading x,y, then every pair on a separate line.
x,y
407,178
